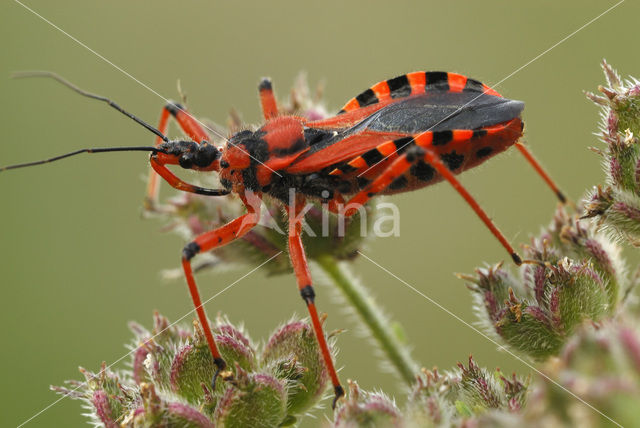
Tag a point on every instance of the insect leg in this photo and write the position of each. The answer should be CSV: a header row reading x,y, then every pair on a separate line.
x,y
398,167
190,126
267,99
153,184
206,242
303,276
423,151
536,165
432,158
179,184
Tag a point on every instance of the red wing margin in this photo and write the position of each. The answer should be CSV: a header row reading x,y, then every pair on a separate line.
x,y
437,111
406,85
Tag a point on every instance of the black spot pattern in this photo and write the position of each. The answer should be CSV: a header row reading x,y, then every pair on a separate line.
x,y
362,182
399,183
422,171
484,152
452,160
440,138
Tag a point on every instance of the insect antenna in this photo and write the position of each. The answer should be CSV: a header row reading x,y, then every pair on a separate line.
x,y
77,152
82,92
65,82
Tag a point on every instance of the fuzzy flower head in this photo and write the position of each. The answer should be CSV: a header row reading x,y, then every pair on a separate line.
x,y
450,398
576,278
169,383
616,205
601,366
367,409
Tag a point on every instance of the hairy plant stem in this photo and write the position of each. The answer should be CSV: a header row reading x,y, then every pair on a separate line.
x,y
372,316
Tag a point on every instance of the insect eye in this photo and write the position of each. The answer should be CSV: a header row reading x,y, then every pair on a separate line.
x,y
186,162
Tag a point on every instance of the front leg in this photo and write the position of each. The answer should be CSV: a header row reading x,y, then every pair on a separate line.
x,y
206,242
190,126
303,276
177,183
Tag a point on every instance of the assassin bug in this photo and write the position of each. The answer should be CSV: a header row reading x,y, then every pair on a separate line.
x,y
401,134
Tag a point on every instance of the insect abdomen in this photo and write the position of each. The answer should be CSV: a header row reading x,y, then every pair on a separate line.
x,y
415,83
459,149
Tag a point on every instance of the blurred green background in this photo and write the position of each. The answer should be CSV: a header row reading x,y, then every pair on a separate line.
x,y
77,260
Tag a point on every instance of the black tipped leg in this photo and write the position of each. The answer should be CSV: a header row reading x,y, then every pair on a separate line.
x,y
265,84
174,108
339,391
561,197
220,366
267,99
190,250
516,258
308,295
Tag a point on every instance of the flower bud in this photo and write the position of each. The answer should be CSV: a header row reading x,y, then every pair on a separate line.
x,y
576,277
103,394
154,411
193,366
429,402
367,409
256,400
602,366
478,390
618,205
293,355
169,383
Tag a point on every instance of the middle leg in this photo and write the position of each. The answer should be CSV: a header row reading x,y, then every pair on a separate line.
x,y
206,242
421,150
189,126
303,276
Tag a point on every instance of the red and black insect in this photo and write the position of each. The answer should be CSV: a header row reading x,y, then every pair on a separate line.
x,y
399,135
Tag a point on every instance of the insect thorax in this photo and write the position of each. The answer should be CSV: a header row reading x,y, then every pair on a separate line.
x,y
258,161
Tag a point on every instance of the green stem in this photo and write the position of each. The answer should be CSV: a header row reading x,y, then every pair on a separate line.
x,y
372,316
